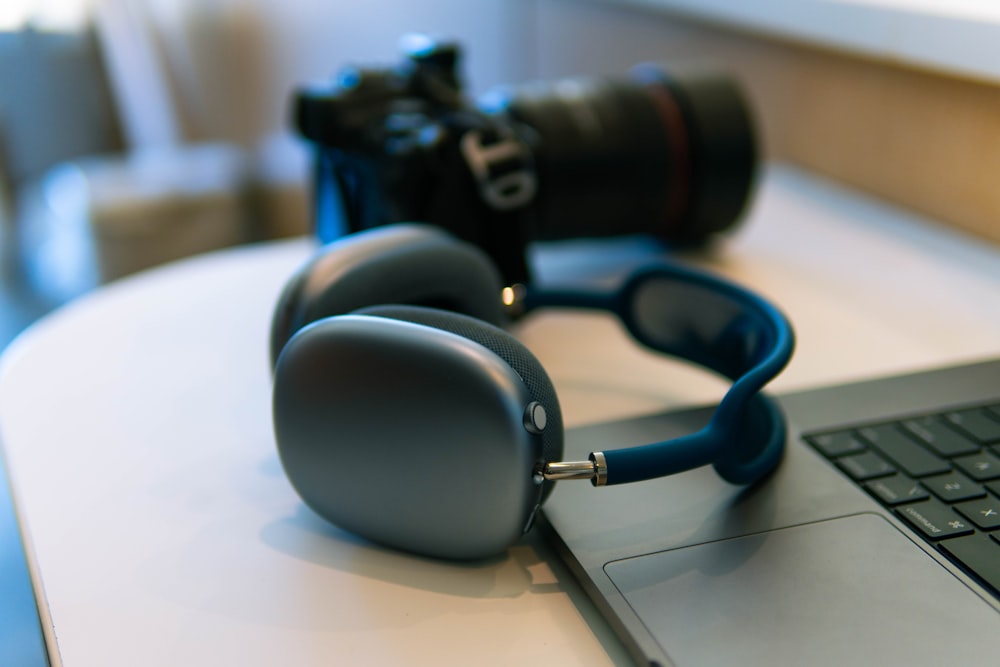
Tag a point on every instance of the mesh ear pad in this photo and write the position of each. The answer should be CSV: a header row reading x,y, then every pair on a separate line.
x,y
505,346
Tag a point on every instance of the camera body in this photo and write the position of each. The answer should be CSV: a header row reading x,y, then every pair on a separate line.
x,y
667,154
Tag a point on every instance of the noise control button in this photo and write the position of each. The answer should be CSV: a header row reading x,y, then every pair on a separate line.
x,y
535,418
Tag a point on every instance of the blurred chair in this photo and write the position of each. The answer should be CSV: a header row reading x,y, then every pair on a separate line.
x,y
161,182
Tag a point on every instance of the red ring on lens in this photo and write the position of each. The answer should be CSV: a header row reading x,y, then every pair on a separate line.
x,y
680,177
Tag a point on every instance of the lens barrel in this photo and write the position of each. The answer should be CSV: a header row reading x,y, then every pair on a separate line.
x,y
670,153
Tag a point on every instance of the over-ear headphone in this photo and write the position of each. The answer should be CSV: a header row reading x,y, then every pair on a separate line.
x,y
404,413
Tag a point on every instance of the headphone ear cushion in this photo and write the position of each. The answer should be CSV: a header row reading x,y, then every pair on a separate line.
x,y
401,263
504,345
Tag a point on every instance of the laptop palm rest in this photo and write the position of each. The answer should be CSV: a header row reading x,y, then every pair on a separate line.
x,y
814,594
804,568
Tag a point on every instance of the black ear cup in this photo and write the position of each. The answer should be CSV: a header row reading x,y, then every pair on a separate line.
x,y
505,346
414,436
420,424
404,263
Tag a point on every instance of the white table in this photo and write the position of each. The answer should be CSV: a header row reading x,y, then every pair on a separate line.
x,y
136,423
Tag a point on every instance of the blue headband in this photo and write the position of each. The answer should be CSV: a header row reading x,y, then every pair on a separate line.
x,y
712,323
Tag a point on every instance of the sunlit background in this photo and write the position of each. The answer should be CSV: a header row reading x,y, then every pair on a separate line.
x,y
65,15
133,132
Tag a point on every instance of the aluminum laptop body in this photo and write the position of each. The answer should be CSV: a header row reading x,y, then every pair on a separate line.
x,y
806,568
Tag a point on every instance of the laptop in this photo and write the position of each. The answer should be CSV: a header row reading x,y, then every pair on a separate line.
x,y
873,543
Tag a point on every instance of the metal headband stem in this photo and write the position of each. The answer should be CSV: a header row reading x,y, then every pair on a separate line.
x,y
595,469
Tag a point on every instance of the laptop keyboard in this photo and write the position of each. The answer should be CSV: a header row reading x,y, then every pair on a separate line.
x,y
939,473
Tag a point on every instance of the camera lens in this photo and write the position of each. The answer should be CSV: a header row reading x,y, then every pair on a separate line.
x,y
666,153
663,152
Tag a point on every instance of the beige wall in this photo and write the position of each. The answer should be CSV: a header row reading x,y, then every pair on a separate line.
x,y
926,141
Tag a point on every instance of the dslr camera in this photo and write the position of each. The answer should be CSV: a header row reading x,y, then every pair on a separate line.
x,y
668,153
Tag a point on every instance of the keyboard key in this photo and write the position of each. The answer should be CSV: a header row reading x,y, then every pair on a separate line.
x,y
940,437
934,520
953,487
939,474
865,466
896,490
982,466
977,423
837,444
913,459
978,554
984,512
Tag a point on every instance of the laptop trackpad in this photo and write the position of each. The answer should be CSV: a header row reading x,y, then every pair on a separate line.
x,y
847,591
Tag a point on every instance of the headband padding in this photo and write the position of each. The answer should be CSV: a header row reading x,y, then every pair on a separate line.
x,y
404,263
